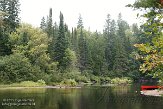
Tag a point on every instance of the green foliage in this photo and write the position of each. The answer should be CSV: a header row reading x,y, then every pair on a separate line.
x,y
8,23
42,82
29,84
61,45
94,79
43,24
77,76
80,22
49,25
104,80
68,82
33,44
16,68
54,53
123,80
11,19
97,52
70,60
150,52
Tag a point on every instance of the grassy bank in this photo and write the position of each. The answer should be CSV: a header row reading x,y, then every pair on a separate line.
x,y
25,84
69,82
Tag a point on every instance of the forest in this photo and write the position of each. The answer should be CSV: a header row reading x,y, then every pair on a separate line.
x,y
54,53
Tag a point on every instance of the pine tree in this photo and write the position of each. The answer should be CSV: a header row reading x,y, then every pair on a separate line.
x,y
75,42
11,21
11,8
120,66
80,22
43,24
109,32
60,44
68,36
121,56
49,28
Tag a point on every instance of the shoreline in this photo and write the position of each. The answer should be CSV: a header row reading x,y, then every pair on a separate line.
x,y
152,92
40,87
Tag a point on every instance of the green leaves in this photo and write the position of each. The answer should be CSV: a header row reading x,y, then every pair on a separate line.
x,y
151,51
15,68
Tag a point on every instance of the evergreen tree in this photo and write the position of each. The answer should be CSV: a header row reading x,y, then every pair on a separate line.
x,y
75,42
60,44
82,51
49,28
109,33
11,21
80,22
120,66
68,36
121,55
84,58
43,24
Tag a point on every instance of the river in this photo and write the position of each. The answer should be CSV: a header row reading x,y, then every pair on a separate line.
x,y
89,97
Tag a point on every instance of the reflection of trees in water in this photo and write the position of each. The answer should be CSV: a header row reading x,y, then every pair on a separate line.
x,y
121,90
111,93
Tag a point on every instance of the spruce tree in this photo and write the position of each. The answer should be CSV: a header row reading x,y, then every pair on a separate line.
x,y
60,44
83,47
80,22
49,28
75,42
121,56
109,32
43,24
11,21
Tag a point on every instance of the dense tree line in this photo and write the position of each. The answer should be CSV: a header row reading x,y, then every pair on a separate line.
x,y
54,51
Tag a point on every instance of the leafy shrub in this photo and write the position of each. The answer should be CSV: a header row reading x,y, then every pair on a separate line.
x,y
29,84
81,78
16,68
107,79
68,82
57,78
77,76
124,80
94,79
42,82
102,79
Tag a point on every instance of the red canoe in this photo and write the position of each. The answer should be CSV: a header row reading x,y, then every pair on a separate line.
x,y
151,87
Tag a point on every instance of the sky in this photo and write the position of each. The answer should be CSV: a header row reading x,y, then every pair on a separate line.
x,y
93,12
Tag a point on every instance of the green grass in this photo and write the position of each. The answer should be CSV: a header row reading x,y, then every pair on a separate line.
x,y
26,84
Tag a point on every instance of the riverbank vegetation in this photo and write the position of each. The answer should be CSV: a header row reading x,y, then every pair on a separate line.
x,y
58,54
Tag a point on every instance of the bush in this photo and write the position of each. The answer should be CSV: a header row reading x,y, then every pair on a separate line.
x,y
107,79
29,84
41,82
94,79
124,80
81,78
68,82
16,68
57,78
77,76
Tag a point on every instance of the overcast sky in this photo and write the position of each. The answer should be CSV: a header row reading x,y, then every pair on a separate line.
x,y
93,12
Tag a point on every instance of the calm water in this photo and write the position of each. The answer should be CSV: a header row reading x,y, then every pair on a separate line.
x,y
94,97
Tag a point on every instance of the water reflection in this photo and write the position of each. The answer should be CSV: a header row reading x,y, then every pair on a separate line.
x,y
120,97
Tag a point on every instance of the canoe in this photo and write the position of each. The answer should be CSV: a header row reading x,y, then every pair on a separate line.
x,y
151,87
